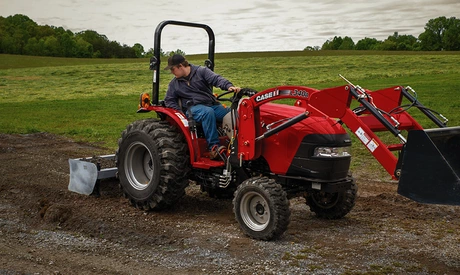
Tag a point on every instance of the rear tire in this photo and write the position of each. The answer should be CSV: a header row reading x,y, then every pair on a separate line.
x,y
153,164
332,205
261,208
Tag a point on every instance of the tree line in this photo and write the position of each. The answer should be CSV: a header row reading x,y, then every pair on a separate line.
x,y
441,34
21,35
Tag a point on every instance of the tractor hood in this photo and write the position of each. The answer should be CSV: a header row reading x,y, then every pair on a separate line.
x,y
291,151
274,114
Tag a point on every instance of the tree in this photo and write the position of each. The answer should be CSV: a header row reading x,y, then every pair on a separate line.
x,y
44,31
451,37
21,29
8,45
151,52
100,42
311,48
387,45
441,34
67,45
333,44
431,38
127,52
399,42
367,44
83,48
339,43
347,44
52,47
33,47
138,50
178,51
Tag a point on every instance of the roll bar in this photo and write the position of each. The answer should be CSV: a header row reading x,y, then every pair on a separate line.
x,y
155,61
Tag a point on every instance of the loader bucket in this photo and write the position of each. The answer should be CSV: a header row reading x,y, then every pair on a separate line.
x,y
430,169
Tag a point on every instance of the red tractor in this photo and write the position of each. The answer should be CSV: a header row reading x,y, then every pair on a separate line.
x,y
276,152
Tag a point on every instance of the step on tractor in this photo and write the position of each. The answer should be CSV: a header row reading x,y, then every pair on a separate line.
x,y
275,152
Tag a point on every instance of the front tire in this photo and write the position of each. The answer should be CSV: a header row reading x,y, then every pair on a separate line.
x,y
261,208
333,205
153,164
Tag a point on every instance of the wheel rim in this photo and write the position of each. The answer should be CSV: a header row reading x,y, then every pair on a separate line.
x,y
255,211
139,167
325,200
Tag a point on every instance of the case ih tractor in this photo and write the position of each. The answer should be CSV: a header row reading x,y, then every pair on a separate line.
x,y
276,152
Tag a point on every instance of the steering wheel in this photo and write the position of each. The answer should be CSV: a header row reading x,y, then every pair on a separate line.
x,y
220,97
243,91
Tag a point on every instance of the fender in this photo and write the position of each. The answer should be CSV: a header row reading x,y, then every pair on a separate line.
x,y
179,120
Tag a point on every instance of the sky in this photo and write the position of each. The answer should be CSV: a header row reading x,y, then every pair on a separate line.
x,y
239,25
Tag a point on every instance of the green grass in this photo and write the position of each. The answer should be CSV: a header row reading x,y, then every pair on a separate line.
x,y
83,119
9,61
94,99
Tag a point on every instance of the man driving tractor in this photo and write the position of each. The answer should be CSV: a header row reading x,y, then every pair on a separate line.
x,y
192,86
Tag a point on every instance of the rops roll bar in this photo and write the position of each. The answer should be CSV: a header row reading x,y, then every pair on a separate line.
x,y
155,61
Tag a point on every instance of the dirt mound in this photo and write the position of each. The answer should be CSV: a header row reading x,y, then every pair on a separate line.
x,y
45,229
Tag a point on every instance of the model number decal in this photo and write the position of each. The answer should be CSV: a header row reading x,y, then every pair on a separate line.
x,y
301,93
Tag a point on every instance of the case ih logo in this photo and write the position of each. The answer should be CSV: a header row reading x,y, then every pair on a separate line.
x,y
295,92
267,95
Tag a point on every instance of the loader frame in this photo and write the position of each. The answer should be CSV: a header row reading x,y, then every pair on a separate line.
x,y
374,117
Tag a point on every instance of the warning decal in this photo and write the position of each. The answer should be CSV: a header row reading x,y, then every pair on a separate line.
x,y
182,118
366,139
362,135
372,145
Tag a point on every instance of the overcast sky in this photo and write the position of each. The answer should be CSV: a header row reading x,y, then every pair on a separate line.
x,y
239,25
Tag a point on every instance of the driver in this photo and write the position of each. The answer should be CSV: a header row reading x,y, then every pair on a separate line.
x,y
192,86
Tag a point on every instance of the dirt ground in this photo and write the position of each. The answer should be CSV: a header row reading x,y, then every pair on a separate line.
x,y
46,229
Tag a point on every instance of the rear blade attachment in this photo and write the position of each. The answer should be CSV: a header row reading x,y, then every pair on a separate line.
x,y
84,173
430,170
83,176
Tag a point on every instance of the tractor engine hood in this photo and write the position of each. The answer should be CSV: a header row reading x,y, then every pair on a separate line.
x,y
294,151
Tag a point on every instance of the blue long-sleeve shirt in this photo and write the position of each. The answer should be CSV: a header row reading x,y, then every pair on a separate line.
x,y
197,88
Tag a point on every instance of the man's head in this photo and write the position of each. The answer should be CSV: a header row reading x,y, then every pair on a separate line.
x,y
178,66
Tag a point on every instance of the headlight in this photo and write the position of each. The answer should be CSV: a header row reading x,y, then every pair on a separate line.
x,y
332,152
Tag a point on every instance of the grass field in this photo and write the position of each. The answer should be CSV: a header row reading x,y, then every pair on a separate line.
x,y
93,100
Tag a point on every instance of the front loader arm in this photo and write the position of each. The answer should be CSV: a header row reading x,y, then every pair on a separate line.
x,y
335,102
249,117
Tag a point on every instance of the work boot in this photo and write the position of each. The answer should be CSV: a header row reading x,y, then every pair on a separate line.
x,y
216,150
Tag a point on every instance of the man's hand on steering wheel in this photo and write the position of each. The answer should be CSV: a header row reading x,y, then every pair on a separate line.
x,y
239,93
234,89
